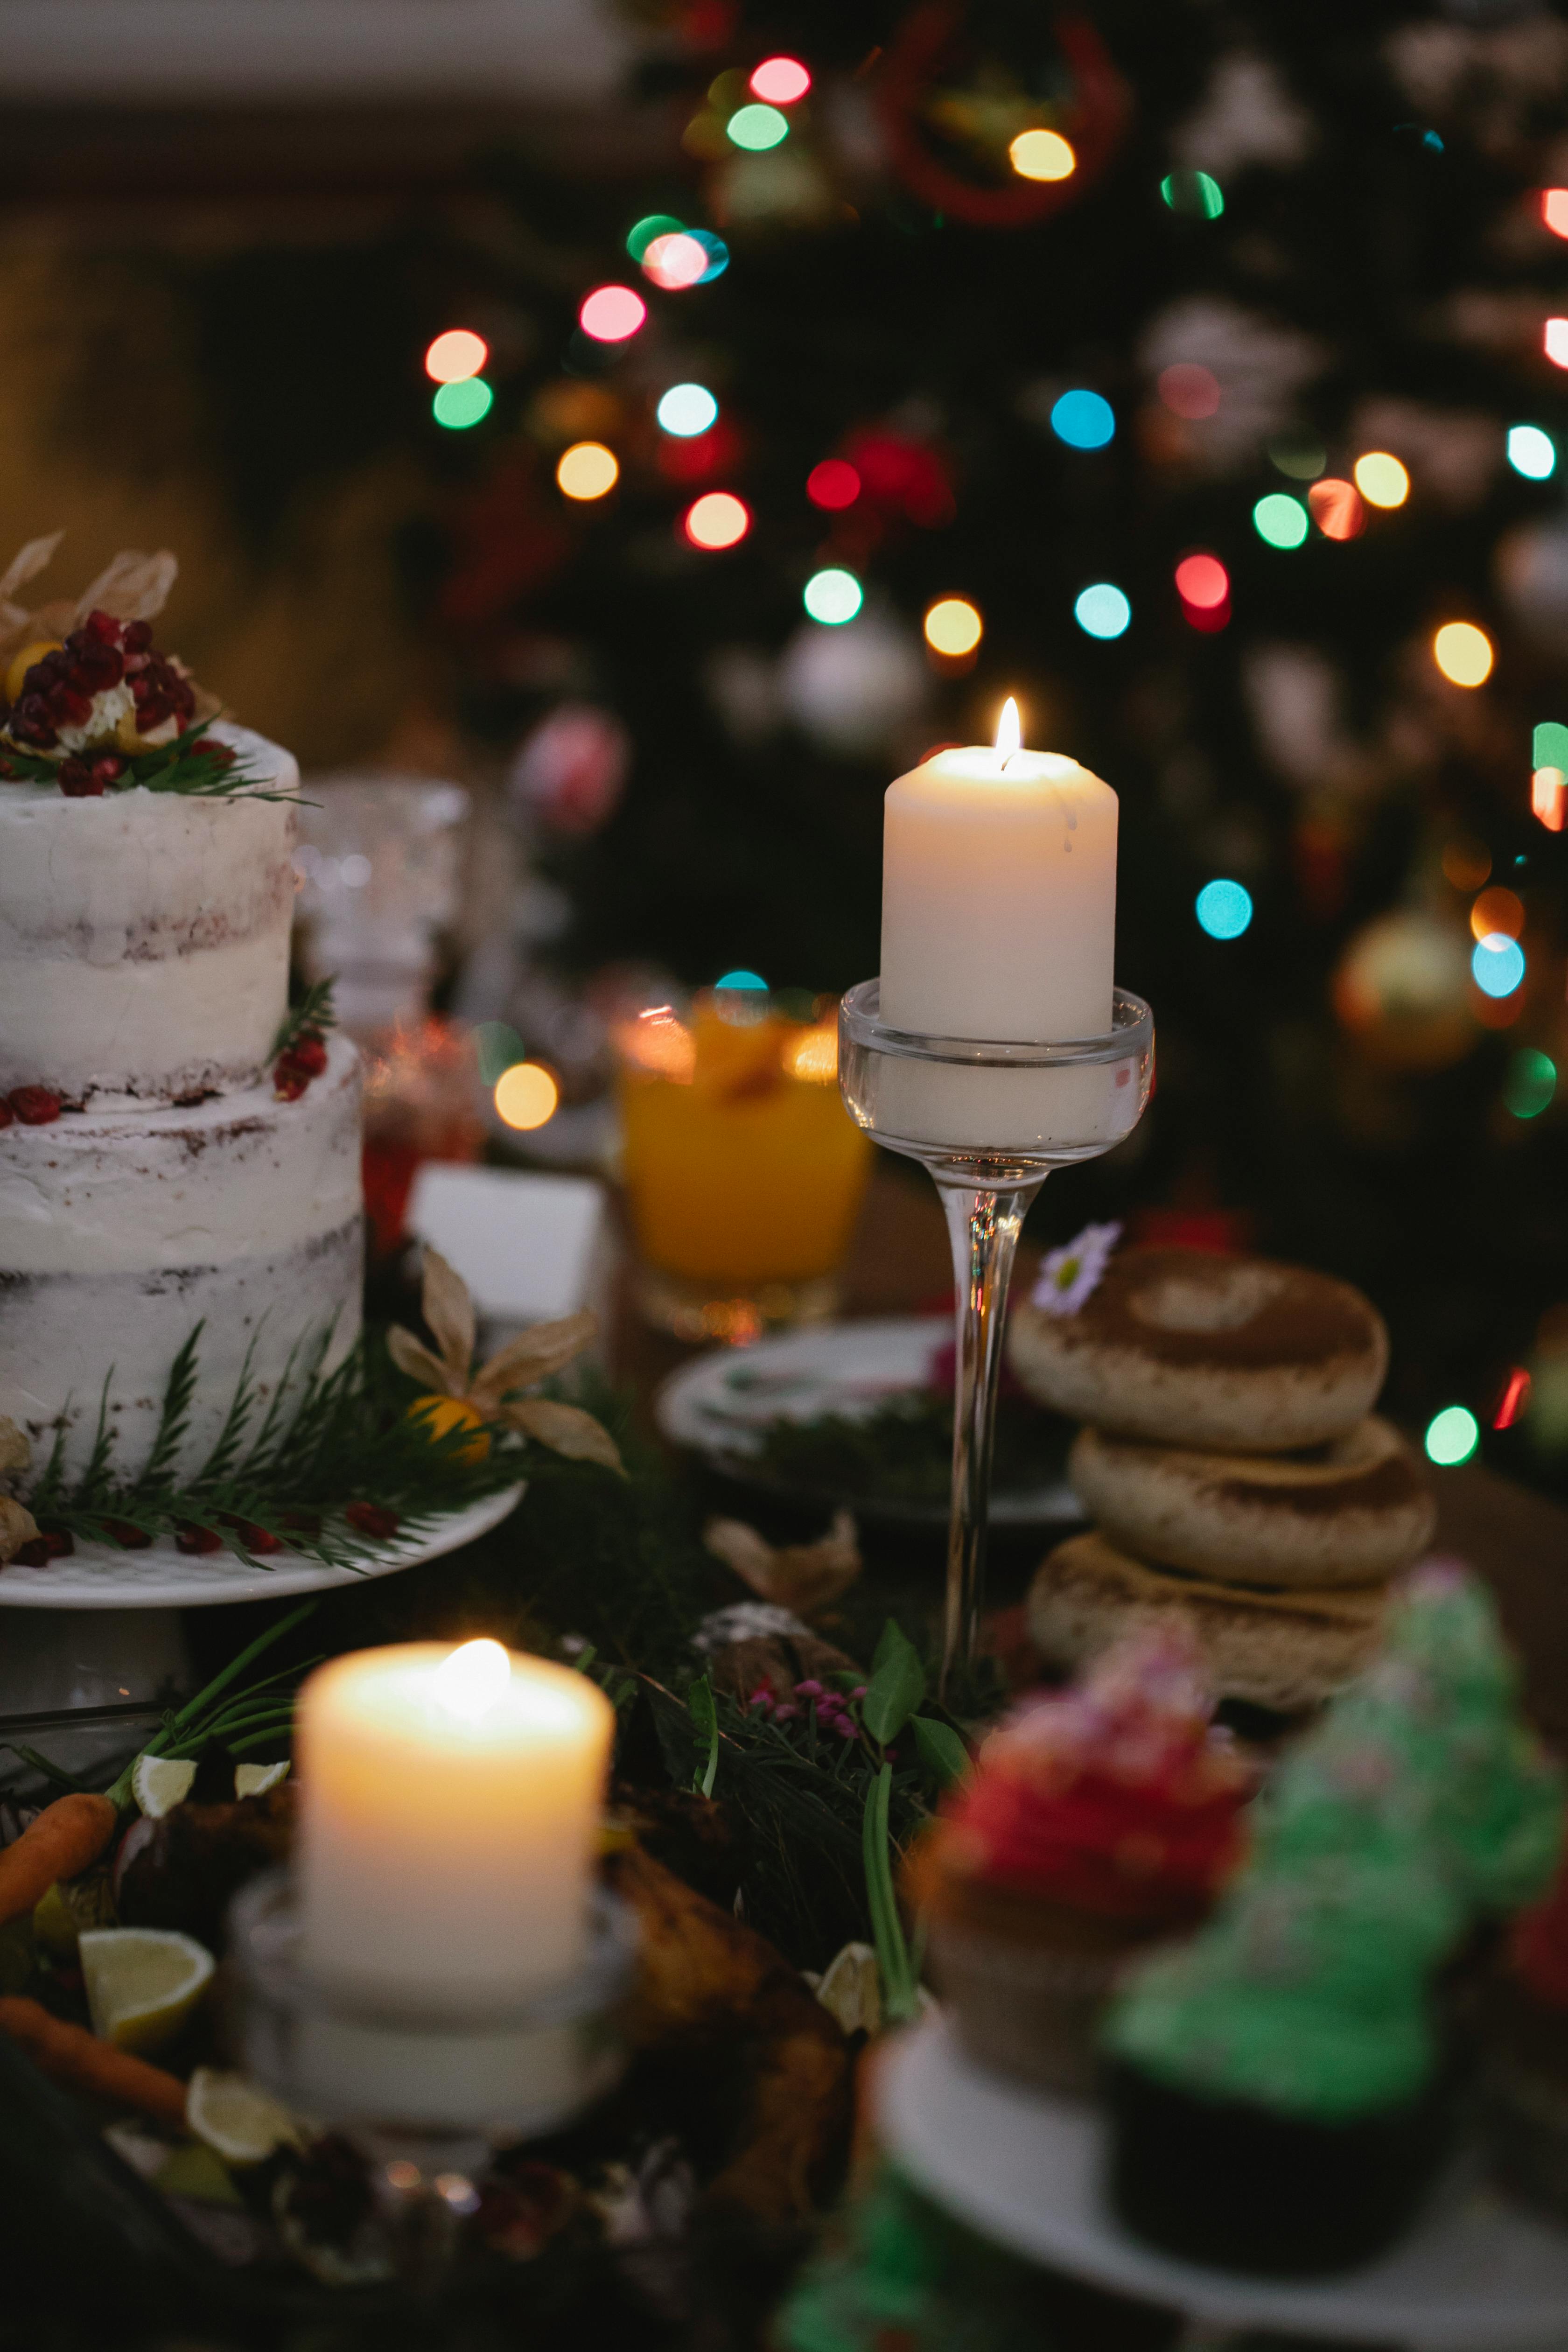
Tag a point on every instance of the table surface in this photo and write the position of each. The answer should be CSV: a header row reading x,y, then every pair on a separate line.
x,y
898,1263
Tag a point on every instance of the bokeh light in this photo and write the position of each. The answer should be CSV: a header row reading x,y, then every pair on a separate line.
x,y
1497,967
1224,909
459,353
1548,797
716,249
1555,210
780,81
1279,519
1528,1087
1467,863
1202,580
833,597
610,314
1452,1436
587,470
1083,420
686,410
1336,508
1497,910
833,485
717,520
1381,478
1298,455
526,1094
676,261
952,627
1554,341
743,978
641,233
1188,390
1042,155
1463,653
1101,610
1196,193
757,128
1549,745
1532,452
458,405
1515,1395
812,1055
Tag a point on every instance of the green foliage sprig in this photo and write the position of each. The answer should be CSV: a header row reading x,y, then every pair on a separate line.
x,y
315,1011
187,764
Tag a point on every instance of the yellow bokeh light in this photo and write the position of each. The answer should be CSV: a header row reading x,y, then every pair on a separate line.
x,y
814,1054
526,1094
1463,653
952,627
1042,155
1382,479
1498,910
587,470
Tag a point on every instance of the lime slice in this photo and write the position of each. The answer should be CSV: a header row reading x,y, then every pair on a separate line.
x,y
141,1983
255,1780
850,1990
64,1909
241,2123
158,1783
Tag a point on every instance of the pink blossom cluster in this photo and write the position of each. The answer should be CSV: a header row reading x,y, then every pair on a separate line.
x,y
833,1708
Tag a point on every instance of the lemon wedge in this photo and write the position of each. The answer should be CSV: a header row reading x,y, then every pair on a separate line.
x,y
69,1906
158,1783
255,1780
141,1983
238,2122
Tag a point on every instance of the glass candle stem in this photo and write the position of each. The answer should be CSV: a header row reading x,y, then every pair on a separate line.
x,y
983,1224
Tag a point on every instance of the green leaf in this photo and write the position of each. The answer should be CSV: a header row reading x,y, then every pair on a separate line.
x,y
704,1713
897,1686
941,1751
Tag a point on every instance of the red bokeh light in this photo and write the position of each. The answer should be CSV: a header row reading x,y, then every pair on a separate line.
x,y
1188,391
1513,1400
833,485
611,313
676,261
1337,509
1555,210
717,520
1202,580
780,81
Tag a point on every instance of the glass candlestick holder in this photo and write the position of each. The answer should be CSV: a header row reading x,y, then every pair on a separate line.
x,y
427,2092
990,1119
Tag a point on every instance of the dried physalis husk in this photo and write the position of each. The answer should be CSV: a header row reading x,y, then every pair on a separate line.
x,y
132,587
14,1451
804,1577
15,621
17,1526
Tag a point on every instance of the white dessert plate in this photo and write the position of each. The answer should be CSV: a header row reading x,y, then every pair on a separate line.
x,y
1475,2275
100,1576
720,1404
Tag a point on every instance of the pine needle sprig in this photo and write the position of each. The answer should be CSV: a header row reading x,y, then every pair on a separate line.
x,y
314,1012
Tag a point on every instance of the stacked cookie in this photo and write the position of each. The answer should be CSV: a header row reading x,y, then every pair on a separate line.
x,y
1232,1465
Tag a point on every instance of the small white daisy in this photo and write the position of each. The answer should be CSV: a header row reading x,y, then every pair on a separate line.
x,y
1070,1273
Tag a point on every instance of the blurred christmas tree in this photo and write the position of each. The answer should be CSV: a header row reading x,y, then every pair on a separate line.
x,y
1191,372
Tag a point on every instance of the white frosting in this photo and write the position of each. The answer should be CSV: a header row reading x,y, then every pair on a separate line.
x,y
145,936
120,1231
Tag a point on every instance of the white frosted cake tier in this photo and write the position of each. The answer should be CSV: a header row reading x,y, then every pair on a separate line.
x,y
120,1230
145,936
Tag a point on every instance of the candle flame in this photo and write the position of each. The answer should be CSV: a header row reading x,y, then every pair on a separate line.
x,y
470,1681
1009,734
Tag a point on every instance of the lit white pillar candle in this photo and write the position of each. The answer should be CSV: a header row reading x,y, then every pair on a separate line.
x,y
999,896
449,1810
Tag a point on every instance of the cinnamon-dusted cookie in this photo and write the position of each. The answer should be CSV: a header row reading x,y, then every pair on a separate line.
x,y
1352,1512
1282,1650
1190,1349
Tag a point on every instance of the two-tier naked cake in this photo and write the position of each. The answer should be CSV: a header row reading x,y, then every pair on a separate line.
x,y
158,1169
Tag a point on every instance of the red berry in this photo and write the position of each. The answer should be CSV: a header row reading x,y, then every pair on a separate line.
x,y
289,1084
108,771
49,1543
79,782
304,1523
309,1052
6,1113
137,637
128,1536
188,1536
34,1105
68,703
97,666
253,1537
372,1520
30,722
102,625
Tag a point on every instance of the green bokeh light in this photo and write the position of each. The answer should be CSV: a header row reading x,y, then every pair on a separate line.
x,y
757,127
458,405
833,597
1280,521
1196,193
642,234
1530,1083
1452,1436
1549,745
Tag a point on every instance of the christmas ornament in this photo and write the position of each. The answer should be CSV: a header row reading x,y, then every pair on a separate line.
x,y
572,769
951,110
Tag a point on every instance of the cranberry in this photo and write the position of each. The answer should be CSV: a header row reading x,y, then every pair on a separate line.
x,y
304,1523
68,702
253,1537
372,1520
128,1536
34,1105
188,1536
79,782
288,1084
30,721
102,625
224,754
97,667
138,636
49,1543
308,1052
108,771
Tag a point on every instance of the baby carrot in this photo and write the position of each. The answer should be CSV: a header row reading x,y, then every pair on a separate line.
x,y
67,1837
70,2054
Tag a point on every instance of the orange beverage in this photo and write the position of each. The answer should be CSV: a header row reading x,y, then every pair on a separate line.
x,y
743,1169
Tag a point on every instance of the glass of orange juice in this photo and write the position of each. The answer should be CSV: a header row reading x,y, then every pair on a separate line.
x,y
744,1171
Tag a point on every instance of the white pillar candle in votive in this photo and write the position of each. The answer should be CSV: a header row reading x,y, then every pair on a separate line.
x,y
449,1812
999,895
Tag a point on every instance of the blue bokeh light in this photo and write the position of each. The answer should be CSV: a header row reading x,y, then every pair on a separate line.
x,y
1224,909
1101,610
1497,966
716,249
1083,420
1532,452
741,979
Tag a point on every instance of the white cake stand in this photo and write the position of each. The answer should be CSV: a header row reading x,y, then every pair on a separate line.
x,y
1475,2275
101,1627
